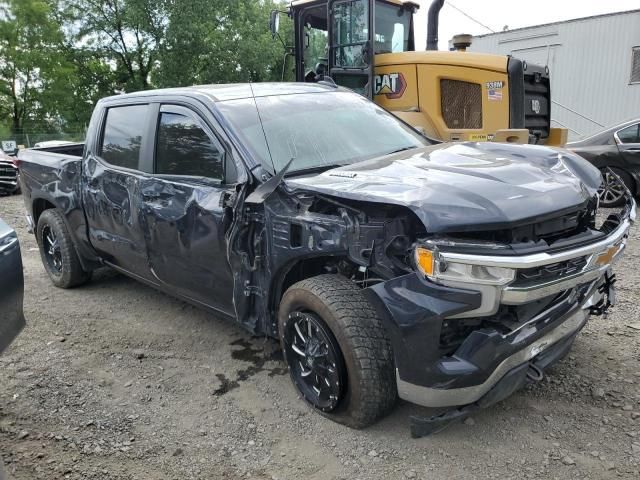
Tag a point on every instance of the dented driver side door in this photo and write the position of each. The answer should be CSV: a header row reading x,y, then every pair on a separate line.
x,y
184,209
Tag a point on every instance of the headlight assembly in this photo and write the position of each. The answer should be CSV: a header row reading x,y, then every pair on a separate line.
x,y
429,263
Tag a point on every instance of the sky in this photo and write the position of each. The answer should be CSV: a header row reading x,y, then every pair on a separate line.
x,y
495,14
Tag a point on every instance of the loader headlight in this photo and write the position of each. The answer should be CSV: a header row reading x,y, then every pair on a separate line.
x,y
431,264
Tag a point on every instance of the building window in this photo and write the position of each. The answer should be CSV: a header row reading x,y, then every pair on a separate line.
x,y
635,65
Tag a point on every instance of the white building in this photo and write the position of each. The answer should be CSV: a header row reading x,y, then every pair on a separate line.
x,y
594,64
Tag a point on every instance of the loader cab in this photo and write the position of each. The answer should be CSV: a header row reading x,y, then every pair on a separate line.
x,y
339,38
369,47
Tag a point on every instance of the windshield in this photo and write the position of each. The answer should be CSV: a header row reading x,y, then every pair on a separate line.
x,y
317,129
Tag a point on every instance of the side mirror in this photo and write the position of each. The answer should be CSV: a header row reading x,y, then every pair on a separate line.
x,y
274,23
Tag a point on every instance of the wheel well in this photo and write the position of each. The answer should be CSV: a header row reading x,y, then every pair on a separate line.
x,y
634,182
301,270
39,206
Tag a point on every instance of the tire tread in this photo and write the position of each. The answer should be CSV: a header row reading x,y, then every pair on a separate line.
x,y
367,340
73,274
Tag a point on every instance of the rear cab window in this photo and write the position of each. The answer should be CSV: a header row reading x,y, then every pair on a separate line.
x,y
124,129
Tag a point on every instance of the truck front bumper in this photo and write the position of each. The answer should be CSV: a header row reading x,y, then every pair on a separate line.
x,y
416,310
8,185
8,177
525,350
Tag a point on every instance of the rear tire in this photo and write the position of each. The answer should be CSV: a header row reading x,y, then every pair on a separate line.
x,y
350,328
57,251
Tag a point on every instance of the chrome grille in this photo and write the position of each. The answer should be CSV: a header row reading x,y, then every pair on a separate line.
x,y
552,271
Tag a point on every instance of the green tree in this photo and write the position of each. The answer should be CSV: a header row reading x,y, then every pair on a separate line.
x,y
29,59
220,41
71,95
58,57
124,33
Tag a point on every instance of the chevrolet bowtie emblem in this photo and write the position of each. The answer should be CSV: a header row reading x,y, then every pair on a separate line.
x,y
606,257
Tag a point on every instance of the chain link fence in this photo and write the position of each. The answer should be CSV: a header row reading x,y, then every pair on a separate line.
x,y
30,139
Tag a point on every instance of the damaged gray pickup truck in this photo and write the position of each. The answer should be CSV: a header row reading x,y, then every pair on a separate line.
x,y
387,265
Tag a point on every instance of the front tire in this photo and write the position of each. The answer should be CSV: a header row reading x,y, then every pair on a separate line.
x,y
337,351
57,251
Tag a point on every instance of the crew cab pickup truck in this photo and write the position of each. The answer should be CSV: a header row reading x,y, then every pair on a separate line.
x,y
387,265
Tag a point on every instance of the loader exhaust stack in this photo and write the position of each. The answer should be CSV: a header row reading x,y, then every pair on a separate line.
x,y
432,24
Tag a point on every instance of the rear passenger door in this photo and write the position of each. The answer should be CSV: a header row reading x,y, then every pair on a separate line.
x,y
184,208
112,179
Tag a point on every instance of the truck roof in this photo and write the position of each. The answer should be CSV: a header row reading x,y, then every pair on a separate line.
x,y
233,91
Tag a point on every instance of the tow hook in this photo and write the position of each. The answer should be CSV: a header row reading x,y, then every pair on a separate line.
x,y
608,293
535,373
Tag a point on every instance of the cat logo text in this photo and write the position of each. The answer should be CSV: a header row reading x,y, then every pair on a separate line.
x,y
392,85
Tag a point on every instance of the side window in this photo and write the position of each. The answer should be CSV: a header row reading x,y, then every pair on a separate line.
x,y
350,33
315,40
629,134
392,28
123,132
184,148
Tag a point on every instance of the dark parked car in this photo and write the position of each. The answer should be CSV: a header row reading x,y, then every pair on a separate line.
x,y
616,148
11,292
447,274
9,183
11,286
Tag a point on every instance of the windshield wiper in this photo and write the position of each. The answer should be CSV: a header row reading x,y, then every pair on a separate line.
x,y
263,191
315,169
403,149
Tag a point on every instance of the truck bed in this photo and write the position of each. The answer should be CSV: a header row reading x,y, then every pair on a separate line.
x,y
50,177
72,149
50,157
53,157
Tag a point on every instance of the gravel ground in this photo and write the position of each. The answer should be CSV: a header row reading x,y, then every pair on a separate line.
x,y
115,380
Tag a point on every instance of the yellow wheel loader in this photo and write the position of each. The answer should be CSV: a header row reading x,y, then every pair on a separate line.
x,y
369,46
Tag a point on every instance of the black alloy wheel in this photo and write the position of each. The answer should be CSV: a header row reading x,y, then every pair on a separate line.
x,y
336,348
58,252
52,250
613,188
317,367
